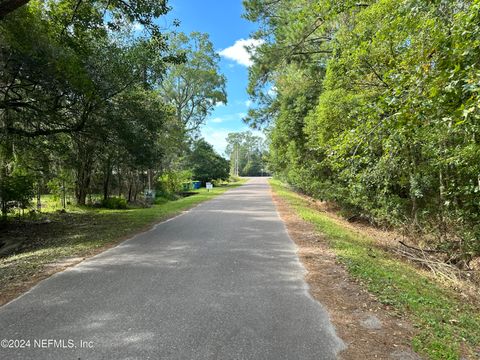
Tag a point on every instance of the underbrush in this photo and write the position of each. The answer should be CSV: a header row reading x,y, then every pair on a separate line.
x,y
448,326
114,203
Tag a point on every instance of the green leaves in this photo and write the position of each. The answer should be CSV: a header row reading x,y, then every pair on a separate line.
x,y
195,86
247,154
206,164
386,122
16,190
79,93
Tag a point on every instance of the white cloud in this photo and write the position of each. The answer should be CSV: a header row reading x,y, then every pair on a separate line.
x,y
238,51
216,137
224,118
219,104
248,103
272,91
137,27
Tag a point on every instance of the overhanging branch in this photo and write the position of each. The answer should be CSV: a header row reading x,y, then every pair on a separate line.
x,y
7,6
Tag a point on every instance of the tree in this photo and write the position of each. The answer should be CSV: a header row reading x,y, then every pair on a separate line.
x,y
373,107
53,79
15,191
78,87
195,86
119,12
206,164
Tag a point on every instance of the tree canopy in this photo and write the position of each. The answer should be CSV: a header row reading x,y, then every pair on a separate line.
x,y
88,97
206,164
195,86
374,105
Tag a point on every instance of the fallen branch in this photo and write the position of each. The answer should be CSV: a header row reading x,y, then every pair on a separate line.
x,y
419,249
436,266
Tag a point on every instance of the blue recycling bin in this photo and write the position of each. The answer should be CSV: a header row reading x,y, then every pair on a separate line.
x,y
196,185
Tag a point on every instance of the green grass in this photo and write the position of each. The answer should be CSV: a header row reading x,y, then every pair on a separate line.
x,y
445,322
80,232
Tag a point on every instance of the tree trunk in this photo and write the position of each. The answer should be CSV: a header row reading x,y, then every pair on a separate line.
x,y
106,180
39,197
84,172
130,192
6,157
119,179
413,177
135,188
414,210
64,194
3,176
4,210
82,192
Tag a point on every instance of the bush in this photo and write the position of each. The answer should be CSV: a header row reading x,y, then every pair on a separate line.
x,y
16,190
114,203
219,182
172,182
234,178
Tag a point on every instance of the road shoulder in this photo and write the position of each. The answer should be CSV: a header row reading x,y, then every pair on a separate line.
x,y
363,323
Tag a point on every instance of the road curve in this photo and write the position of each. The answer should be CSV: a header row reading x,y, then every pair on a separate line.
x,y
221,281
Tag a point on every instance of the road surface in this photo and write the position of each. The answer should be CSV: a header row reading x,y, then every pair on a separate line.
x,y
221,281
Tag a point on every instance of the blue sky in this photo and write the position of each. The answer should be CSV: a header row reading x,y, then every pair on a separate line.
x,y
222,21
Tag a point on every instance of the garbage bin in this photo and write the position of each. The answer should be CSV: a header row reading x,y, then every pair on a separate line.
x,y
197,185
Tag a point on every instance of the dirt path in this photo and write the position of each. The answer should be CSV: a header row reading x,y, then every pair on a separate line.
x,y
366,326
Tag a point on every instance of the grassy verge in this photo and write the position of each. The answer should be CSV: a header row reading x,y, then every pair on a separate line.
x,y
447,326
80,232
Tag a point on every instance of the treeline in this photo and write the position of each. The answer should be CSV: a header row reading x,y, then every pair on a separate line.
x,y
95,98
247,153
375,105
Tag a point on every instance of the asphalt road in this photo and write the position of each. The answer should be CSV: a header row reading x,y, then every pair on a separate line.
x,y
221,281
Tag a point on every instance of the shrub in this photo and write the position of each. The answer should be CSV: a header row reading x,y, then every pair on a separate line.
x,y
172,182
219,182
16,190
234,178
114,203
